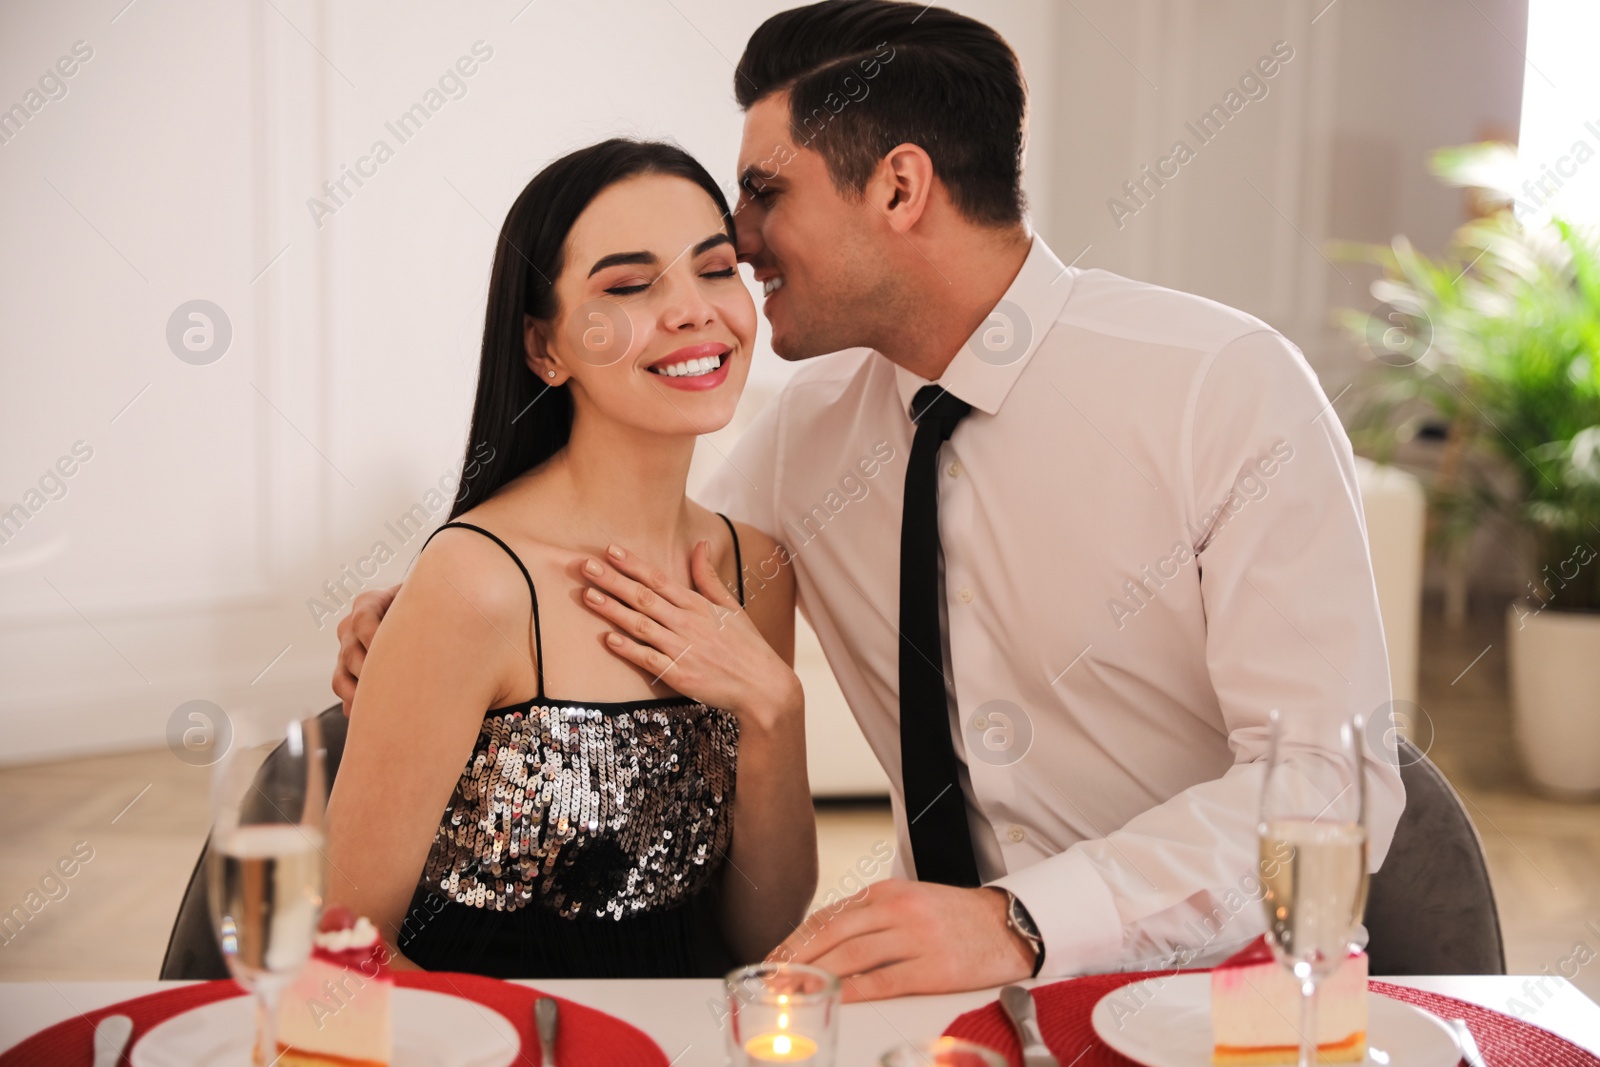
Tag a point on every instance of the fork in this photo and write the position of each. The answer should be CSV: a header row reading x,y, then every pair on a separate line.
x,y
545,1017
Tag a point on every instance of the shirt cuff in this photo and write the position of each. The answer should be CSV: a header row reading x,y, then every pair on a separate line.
x,y
1074,910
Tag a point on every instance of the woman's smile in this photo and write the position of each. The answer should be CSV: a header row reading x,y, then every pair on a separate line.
x,y
694,367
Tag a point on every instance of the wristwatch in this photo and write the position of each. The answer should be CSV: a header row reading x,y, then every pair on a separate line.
x,y
1019,922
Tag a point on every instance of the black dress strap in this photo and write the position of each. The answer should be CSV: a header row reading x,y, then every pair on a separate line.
x,y
538,646
738,558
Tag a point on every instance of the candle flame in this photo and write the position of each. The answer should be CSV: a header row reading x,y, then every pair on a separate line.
x,y
783,1021
781,1045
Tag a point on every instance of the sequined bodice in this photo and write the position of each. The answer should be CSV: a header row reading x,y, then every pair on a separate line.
x,y
594,811
578,828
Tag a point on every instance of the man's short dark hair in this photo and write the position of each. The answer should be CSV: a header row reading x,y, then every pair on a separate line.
x,y
867,75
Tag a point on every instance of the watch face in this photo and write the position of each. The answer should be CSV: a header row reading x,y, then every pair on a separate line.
x,y
1024,921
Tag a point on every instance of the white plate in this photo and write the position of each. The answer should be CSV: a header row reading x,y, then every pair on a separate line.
x,y
1166,1022
430,1030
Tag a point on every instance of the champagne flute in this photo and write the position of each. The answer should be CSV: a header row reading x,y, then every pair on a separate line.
x,y
1313,853
265,866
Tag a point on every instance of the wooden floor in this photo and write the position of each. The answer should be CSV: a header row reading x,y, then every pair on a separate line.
x,y
1544,855
142,817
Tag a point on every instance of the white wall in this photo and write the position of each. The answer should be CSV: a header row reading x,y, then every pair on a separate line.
x,y
179,164
1337,148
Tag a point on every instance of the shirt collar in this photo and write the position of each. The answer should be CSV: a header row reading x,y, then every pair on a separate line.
x,y
988,365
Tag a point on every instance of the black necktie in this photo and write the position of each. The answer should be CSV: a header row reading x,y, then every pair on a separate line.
x,y
941,843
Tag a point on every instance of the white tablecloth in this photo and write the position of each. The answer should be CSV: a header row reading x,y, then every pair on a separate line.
x,y
682,1014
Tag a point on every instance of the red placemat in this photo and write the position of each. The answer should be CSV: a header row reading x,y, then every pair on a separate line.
x,y
1064,1009
586,1036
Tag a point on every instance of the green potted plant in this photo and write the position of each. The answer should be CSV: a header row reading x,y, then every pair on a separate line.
x,y
1500,340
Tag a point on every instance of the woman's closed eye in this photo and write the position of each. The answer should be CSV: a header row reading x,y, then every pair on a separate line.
x,y
629,290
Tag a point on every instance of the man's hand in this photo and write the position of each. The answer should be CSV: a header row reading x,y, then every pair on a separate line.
x,y
897,938
356,631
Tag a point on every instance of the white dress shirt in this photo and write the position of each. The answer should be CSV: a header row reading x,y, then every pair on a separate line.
x,y
1151,536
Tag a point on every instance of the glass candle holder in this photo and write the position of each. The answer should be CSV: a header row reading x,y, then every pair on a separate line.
x,y
782,1013
942,1052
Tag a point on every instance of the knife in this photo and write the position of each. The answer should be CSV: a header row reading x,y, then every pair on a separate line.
x,y
1017,1003
1469,1047
110,1038
545,1014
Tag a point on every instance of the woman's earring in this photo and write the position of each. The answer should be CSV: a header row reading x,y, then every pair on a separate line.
x,y
552,374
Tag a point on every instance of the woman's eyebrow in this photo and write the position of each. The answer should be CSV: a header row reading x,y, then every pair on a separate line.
x,y
619,259
712,242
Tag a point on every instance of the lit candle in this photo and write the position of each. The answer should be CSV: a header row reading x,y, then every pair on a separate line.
x,y
783,1013
781,1048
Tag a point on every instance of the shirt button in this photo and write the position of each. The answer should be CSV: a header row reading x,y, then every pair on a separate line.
x,y
1015,833
965,594
955,469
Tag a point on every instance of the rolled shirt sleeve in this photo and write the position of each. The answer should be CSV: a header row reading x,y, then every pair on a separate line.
x,y
1292,623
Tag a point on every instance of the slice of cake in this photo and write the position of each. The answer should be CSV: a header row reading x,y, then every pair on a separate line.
x,y
1255,1010
337,1012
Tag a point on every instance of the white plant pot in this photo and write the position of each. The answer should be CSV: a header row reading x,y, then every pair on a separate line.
x,y
1555,696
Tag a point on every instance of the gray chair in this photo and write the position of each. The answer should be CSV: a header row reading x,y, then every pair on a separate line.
x,y
1430,909
192,949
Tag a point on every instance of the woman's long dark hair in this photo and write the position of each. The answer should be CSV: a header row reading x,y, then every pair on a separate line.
x,y
519,420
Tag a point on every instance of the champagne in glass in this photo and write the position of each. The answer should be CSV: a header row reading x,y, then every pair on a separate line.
x,y
1319,893
1313,854
265,867
267,881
